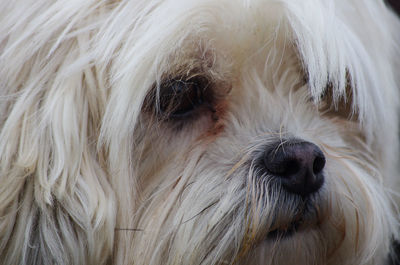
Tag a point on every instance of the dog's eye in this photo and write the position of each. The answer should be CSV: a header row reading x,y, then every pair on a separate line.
x,y
180,98
342,108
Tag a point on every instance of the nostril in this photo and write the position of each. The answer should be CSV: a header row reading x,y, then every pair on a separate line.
x,y
319,164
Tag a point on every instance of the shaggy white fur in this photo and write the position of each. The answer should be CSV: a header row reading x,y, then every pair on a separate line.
x,y
103,160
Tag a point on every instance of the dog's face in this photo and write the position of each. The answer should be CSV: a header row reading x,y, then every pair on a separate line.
x,y
243,154
211,132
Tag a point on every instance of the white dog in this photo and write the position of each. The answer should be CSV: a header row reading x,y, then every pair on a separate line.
x,y
198,132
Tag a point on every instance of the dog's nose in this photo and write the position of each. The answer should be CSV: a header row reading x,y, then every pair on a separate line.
x,y
297,165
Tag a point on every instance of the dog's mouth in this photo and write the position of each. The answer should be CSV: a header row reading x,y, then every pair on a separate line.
x,y
309,218
285,232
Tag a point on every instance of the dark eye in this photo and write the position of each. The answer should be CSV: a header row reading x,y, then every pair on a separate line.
x,y
180,98
341,107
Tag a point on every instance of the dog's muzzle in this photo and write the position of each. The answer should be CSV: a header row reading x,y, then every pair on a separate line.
x,y
296,165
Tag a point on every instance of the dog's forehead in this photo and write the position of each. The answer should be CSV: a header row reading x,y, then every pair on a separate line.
x,y
239,28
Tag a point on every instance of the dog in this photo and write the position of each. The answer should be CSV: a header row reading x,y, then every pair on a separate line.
x,y
199,132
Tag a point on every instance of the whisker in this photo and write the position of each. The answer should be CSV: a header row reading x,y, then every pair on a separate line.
x,y
202,211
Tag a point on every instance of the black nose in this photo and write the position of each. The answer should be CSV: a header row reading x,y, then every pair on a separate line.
x,y
298,166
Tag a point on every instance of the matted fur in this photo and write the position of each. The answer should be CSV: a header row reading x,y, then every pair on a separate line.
x,y
88,175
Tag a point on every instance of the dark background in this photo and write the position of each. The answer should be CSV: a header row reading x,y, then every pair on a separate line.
x,y
395,4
